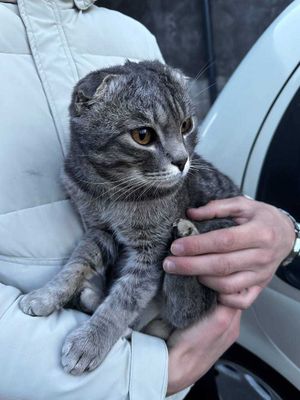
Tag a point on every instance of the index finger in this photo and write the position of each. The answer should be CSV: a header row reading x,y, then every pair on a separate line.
x,y
234,207
219,241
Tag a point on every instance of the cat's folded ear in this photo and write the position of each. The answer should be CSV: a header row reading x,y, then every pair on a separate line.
x,y
86,93
107,86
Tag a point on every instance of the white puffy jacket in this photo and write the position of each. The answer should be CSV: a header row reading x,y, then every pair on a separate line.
x,y
45,47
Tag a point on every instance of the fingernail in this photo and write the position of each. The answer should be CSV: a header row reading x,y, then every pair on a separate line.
x,y
177,249
169,266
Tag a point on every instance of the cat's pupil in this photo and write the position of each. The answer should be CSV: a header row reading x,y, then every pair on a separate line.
x,y
186,126
143,134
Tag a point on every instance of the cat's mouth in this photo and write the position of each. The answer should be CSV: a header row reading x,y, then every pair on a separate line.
x,y
169,176
164,179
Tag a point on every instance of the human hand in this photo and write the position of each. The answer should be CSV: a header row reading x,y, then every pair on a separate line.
x,y
194,350
237,262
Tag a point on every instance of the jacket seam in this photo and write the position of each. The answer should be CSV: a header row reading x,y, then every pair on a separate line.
x,y
162,395
64,40
41,262
29,208
14,54
131,372
11,305
44,81
163,384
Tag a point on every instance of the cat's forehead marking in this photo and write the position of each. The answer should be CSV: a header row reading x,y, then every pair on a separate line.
x,y
174,108
160,114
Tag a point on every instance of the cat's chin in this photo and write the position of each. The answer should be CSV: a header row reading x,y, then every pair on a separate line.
x,y
165,182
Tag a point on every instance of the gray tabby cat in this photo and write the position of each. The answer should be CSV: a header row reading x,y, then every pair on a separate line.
x,y
132,172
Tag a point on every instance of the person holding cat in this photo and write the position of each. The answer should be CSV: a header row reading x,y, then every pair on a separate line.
x,y
46,47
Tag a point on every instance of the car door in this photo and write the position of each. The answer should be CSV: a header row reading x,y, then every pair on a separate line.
x,y
272,174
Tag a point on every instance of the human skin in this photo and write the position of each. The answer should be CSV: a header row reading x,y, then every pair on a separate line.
x,y
237,262
195,349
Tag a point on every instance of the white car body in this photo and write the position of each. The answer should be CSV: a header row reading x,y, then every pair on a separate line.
x,y
235,136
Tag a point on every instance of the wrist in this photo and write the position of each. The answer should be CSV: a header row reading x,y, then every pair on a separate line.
x,y
295,251
174,371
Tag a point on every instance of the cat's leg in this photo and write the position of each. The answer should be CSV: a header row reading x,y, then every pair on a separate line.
x,y
90,293
91,253
186,300
86,347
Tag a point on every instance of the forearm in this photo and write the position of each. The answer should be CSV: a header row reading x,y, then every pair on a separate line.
x,y
194,350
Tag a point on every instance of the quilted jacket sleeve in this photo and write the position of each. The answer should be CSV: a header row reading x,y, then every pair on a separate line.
x,y
30,360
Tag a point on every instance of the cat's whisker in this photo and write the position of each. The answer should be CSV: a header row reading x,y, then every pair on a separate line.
x,y
122,190
103,183
146,190
203,70
201,167
205,89
129,191
123,183
150,174
162,178
199,163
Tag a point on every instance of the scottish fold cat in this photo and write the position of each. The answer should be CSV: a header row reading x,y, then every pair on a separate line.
x,y
131,172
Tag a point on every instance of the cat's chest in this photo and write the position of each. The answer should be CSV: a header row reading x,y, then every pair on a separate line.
x,y
142,222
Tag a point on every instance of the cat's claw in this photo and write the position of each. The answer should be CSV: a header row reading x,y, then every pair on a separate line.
x,y
82,350
38,303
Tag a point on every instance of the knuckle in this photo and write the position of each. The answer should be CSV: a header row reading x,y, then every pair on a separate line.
x,y
242,202
266,275
265,258
245,303
188,267
212,203
246,206
224,265
228,287
227,240
268,236
195,246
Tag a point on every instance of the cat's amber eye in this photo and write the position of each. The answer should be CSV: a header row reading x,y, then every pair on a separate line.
x,y
186,126
143,135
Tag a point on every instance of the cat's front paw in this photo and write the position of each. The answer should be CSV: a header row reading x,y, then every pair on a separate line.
x,y
83,350
184,227
39,302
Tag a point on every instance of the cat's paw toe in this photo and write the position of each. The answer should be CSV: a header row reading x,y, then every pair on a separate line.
x,y
184,227
81,350
37,303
